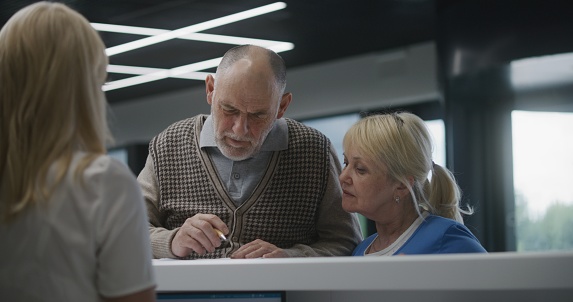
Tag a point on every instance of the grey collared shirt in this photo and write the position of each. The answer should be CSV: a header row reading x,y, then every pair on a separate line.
x,y
241,177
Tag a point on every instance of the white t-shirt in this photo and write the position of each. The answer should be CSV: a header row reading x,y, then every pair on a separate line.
x,y
85,242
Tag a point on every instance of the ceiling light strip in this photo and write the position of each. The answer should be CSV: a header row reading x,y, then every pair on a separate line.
x,y
132,69
230,40
146,31
195,28
189,71
124,29
136,80
162,74
146,70
277,47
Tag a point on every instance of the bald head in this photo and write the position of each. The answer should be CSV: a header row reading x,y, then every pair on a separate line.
x,y
255,58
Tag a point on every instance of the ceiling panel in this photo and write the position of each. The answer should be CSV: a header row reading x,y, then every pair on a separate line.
x,y
320,31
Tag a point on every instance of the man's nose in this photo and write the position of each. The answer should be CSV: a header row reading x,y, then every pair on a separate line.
x,y
241,125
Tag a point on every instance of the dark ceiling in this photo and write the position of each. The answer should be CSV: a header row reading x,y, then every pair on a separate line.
x,y
320,31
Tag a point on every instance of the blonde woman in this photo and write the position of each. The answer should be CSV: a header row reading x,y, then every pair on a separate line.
x,y
72,220
387,160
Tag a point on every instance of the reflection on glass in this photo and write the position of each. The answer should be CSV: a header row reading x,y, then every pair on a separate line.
x,y
438,133
119,154
334,128
543,180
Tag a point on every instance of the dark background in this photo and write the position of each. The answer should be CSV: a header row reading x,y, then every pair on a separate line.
x,y
320,30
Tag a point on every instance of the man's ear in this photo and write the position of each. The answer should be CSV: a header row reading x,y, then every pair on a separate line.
x,y
209,88
285,101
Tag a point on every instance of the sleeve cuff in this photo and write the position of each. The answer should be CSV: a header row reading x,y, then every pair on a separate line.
x,y
161,243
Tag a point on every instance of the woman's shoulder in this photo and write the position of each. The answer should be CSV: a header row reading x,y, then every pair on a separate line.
x,y
441,225
455,237
437,220
101,164
100,172
445,224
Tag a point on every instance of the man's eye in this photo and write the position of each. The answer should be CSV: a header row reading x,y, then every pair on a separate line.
x,y
259,116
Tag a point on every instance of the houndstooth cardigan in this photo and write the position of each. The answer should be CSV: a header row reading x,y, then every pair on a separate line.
x,y
282,210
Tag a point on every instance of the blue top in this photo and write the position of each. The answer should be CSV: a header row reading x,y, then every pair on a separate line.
x,y
436,235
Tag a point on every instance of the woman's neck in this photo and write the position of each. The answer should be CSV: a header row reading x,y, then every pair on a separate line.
x,y
391,230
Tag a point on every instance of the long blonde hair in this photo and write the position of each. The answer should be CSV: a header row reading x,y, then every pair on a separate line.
x,y
402,142
52,67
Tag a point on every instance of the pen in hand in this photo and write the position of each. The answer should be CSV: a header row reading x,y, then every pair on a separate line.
x,y
223,238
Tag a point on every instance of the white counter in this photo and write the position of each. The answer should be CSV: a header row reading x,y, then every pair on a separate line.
x,y
463,277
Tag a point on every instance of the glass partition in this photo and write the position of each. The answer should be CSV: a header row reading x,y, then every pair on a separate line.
x,y
543,180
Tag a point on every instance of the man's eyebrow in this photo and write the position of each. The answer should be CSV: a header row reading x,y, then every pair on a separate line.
x,y
260,112
227,106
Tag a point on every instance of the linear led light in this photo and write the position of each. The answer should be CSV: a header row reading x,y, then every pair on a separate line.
x,y
232,40
195,28
189,71
281,46
278,47
147,70
124,29
146,31
180,72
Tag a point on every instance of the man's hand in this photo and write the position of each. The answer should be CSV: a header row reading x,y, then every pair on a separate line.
x,y
259,249
198,234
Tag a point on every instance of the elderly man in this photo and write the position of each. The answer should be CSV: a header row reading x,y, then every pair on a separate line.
x,y
270,184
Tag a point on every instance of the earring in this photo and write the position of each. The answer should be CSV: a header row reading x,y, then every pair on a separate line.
x,y
397,199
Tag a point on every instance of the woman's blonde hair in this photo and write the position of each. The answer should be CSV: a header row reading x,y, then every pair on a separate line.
x,y
402,142
52,68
